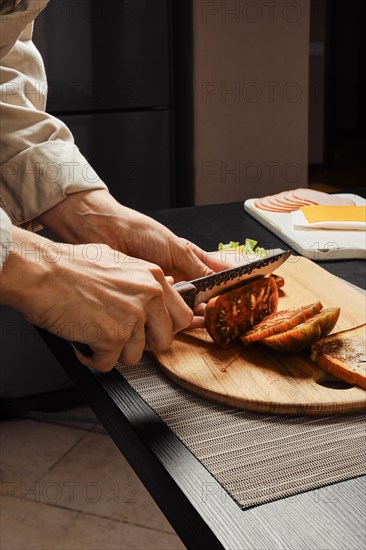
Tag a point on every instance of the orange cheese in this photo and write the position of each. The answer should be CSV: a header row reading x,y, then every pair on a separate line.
x,y
319,213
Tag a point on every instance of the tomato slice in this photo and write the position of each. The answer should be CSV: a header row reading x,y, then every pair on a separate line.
x,y
305,334
327,319
280,322
280,281
229,315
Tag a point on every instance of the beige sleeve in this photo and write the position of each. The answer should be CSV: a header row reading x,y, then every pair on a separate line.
x,y
5,237
39,162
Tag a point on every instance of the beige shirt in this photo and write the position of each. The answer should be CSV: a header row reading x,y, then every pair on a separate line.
x,y
39,162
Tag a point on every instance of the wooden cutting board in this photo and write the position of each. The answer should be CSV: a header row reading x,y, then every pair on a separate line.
x,y
260,379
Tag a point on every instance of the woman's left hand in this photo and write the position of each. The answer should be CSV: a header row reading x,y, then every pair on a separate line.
x,y
96,217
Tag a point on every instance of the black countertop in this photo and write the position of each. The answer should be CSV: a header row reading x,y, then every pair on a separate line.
x,y
209,225
332,517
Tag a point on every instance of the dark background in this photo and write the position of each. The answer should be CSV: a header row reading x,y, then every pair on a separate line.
x,y
344,162
121,77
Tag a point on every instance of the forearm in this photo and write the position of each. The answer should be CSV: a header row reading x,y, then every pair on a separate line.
x,y
25,269
90,216
95,216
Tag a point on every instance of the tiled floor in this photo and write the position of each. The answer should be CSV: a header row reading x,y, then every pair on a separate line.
x,y
65,485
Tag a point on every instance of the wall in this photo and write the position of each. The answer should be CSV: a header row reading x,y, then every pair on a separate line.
x,y
250,98
317,82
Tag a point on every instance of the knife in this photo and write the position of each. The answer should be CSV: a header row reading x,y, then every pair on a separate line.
x,y
203,289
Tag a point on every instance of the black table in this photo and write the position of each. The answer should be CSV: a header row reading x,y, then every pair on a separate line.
x,y
201,512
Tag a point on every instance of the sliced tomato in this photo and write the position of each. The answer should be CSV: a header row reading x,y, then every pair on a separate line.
x,y
280,281
305,334
280,322
229,315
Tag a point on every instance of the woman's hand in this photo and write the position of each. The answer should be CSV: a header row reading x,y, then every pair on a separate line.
x,y
95,295
95,216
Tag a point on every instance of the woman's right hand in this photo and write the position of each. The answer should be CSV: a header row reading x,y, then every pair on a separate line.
x,y
95,295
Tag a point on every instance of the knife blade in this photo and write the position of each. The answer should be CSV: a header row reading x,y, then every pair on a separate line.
x,y
203,289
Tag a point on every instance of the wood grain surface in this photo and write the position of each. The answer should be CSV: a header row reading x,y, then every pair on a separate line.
x,y
260,379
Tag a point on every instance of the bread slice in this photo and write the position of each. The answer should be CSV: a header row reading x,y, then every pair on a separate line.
x,y
343,354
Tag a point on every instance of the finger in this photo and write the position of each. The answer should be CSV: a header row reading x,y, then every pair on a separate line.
x,y
198,263
159,324
228,258
216,261
170,279
101,360
191,263
198,322
199,316
178,310
167,314
199,310
133,349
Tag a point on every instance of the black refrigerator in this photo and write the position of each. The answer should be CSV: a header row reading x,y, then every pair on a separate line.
x,y
109,72
110,80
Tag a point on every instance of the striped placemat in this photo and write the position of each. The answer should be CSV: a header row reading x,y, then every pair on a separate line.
x,y
256,457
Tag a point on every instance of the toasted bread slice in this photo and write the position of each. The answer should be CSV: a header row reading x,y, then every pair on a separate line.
x,y
343,354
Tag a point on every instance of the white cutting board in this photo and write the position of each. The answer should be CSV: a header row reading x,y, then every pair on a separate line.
x,y
315,244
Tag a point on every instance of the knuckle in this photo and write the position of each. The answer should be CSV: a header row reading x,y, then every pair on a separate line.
x,y
186,247
155,289
157,272
184,321
166,342
184,243
187,318
162,341
131,356
136,314
106,362
105,366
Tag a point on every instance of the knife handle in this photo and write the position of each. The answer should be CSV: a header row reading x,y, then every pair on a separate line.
x,y
188,292
84,349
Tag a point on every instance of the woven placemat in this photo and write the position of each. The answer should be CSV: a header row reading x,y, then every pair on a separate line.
x,y
256,457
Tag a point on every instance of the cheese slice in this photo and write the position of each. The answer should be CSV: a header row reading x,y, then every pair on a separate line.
x,y
351,218
319,213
